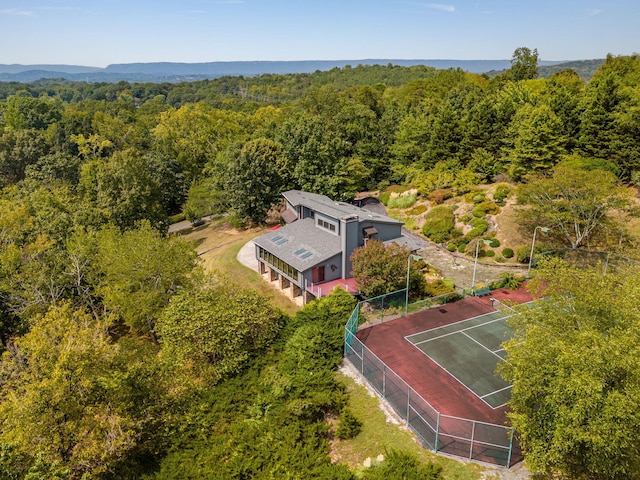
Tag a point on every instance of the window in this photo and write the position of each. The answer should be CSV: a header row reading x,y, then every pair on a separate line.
x,y
326,225
278,264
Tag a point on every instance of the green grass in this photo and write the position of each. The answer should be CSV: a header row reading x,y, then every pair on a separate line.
x,y
378,435
221,244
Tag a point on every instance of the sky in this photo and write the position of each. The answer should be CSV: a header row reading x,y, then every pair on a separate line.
x,y
102,32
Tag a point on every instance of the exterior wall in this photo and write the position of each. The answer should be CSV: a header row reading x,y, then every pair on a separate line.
x,y
319,217
351,238
332,271
385,231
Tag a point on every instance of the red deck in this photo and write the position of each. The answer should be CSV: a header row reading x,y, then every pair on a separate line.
x,y
325,288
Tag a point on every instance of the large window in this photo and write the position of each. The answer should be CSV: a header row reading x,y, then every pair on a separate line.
x,y
278,264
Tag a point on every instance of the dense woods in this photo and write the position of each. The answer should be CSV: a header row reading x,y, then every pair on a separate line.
x,y
111,367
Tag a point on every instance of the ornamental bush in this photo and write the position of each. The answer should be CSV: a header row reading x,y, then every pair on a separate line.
x,y
439,224
348,425
507,252
523,253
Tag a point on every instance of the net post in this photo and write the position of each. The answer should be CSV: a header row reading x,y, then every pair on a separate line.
x,y
408,402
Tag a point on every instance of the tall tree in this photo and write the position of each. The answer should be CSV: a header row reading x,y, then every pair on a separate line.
x,y
524,64
574,203
253,182
574,361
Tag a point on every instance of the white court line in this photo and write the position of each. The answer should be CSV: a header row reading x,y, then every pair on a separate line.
x,y
455,323
482,345
462,330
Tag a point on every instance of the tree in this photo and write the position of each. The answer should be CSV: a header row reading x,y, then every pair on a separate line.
x,y
253,180
380,269
574,203
215,330
537,141
524,64
62,397
574,361
138,271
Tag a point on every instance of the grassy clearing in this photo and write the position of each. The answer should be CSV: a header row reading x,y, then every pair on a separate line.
x,y
219,244
378,435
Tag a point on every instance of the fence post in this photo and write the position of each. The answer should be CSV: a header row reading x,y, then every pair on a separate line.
x,y
435,445
473,434
408,402
384,380
510,447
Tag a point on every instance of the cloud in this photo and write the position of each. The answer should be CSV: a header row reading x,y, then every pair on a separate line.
x,y
594,11
440,6
15,11
434,6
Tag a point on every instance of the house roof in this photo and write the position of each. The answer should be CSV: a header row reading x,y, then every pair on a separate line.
x,y
331,208
301,244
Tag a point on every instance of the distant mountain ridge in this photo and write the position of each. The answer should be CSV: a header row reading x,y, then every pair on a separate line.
x,y
178,72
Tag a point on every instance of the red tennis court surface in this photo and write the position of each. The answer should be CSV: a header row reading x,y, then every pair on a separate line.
x,y
448,396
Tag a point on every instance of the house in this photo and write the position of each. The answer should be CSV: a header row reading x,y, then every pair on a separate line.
x,y
310,255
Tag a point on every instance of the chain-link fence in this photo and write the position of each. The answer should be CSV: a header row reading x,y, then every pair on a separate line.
x,y
393,305
461,437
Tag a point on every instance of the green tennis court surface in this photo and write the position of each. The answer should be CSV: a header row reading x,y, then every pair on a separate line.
x,y
470,351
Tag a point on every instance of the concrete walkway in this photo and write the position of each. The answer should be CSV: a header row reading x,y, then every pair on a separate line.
x,y
247,256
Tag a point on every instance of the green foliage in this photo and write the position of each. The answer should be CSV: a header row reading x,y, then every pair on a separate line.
x,y
348,425
501,192
138,271
384,197
507,252
438,287
214,330
417,210
439,223
574,203
462,247
451,247
380,269
573,362
523,253
490,253
440,195
400,465
480,226
495,243
402,201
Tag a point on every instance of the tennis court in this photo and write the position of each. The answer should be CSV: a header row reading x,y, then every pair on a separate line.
x,y
470,350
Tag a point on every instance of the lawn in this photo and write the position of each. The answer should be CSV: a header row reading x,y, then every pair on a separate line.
x,y
218,244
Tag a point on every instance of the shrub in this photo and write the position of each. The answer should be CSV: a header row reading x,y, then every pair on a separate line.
x,y
462,247
491,253
485,207
439,224
402,201
480,226
495,243
478,212
501,192
440,195
384,197
523,253
348,425
437,287
417,210
452,247
507,252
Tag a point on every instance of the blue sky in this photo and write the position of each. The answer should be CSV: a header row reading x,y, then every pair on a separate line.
x,y
101,32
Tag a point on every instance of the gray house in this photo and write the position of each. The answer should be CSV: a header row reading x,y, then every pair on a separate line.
x,y
311,254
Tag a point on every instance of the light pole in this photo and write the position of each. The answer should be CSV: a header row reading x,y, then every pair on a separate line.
x,y
542,229
475,265
416,258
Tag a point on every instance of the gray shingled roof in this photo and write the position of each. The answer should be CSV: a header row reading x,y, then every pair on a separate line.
x,y
301,244
331,208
